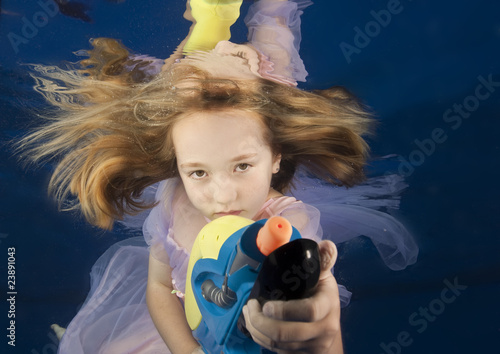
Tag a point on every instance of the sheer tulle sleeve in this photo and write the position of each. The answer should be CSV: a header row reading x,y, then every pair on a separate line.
x,y
157,224
274,29
339,214
171,227
363,210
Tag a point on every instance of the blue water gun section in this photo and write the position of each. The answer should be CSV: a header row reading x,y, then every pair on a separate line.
x,y
223,286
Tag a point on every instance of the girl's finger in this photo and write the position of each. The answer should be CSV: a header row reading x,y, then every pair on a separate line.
x,y
272,331
283,337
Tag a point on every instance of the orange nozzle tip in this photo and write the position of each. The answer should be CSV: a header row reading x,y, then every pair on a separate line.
x,y
275,233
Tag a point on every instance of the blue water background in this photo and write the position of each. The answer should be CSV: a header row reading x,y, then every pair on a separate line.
x,y
430,56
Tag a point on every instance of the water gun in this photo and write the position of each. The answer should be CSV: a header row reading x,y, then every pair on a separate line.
x,y
234,259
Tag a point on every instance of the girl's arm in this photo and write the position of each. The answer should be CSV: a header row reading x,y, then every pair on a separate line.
x,y
277,49
167,311
309,325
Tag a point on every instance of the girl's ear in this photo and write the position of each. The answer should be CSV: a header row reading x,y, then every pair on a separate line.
x,y
276,163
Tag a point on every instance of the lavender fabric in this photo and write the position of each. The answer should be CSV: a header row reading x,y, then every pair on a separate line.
x,y
281,43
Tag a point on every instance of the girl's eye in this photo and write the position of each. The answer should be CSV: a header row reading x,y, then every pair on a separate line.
x,y
242,167
198,174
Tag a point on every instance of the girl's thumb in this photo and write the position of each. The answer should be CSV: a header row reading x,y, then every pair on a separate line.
x,y
328,255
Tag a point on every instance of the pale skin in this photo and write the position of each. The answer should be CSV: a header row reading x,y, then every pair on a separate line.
x,y
226,166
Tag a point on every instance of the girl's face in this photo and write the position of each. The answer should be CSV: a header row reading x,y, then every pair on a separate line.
x,y
224,161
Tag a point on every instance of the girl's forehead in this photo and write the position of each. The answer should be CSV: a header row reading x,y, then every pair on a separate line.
x,y
226,118
218,130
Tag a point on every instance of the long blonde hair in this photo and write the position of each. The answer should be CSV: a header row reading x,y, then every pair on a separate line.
x,y
110,128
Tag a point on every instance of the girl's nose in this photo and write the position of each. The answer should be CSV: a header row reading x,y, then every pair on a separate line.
x,y
224,191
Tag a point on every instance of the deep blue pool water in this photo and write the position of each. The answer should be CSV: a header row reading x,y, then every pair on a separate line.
x,y
431,72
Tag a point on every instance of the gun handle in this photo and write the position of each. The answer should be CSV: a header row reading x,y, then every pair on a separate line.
x,y
290,272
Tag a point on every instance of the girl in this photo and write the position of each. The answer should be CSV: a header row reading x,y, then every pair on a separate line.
x,y
216,133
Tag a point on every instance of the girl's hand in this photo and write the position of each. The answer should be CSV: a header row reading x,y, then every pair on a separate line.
x,y
309,325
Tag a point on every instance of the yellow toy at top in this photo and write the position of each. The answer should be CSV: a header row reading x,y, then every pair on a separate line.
x,y
213,21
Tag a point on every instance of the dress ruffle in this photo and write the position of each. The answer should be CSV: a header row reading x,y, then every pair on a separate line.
x,y
362,211
114,319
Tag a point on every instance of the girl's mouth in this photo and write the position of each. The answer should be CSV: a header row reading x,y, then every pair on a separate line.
x,y
231,212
